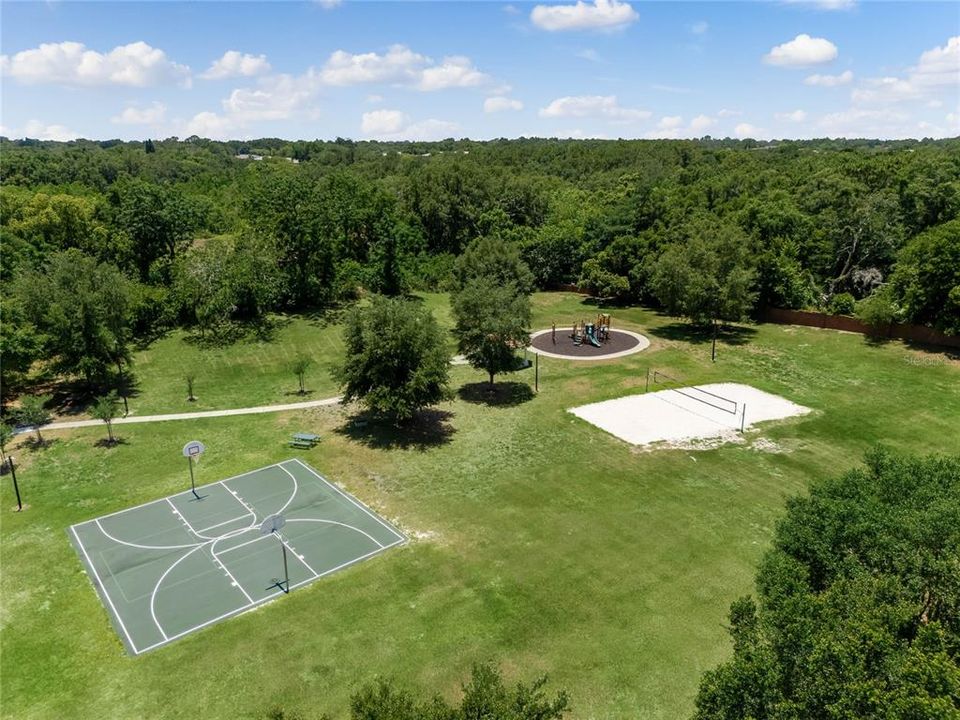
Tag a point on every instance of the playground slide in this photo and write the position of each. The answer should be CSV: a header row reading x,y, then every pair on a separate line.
x,y
592,338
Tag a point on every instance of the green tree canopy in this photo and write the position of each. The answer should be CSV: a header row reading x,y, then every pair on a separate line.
x,y
706,276
82,309
396,358
494,259
859,603
492,322
33,411
485,697
927,277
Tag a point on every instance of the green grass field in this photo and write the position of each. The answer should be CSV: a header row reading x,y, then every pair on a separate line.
x,y
537,540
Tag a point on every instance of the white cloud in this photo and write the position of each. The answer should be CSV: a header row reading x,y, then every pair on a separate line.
x,y
589,54
374,99
153,114
746,130
401,66
802,51
699,28
210,125
499,104
953,120
859,122
844,78
599,106
937,71
39,131
511,10
276,97
396,125
670,121
398,64
701,123
237,64
329,4
383,122
71,63
726,112
598,15
797,116
455,71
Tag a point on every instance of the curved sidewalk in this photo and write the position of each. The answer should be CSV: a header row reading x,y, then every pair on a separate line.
x,y
188,415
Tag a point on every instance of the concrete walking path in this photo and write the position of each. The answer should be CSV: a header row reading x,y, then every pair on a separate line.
x,y
69,424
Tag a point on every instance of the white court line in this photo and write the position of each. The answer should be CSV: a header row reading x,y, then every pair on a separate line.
x,y
153,595
138,545
185,492
335,522
227,571
225,522
105,593
296,488
298,556
352,499
243,544
265,599
239,499
210,540
176,511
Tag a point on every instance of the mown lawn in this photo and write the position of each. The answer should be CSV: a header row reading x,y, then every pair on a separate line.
x,y
538,541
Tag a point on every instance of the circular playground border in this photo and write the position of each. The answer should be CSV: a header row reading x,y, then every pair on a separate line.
x,y
642,344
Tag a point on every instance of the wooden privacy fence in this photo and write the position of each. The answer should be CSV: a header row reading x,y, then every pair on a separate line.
x,y
899,331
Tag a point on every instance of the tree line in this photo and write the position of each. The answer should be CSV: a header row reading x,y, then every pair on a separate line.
x,y
185,233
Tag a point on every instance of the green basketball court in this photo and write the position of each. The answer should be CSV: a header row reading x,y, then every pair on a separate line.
x,y
175,565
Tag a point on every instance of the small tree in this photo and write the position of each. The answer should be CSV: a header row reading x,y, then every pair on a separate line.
x,y
6,435
33,412
300,366
877,311
484,696
106,409
396,360
190,377
492,322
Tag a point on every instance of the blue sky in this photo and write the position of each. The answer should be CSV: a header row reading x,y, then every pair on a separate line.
x,y
429,70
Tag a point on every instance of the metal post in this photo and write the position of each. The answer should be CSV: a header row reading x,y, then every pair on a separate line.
x,y
193,485
713,351
553,334
286,574
536,373
16,488
743,417
648,381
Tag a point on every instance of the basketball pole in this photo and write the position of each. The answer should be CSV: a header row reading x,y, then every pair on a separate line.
x,y
286,574
193,484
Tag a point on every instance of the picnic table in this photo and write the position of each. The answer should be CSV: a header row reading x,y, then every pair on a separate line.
x,y
304,440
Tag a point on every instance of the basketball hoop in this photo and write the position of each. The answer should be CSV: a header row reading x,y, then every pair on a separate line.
x,y
192,452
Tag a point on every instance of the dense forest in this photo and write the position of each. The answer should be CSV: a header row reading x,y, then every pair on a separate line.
x,y
107,242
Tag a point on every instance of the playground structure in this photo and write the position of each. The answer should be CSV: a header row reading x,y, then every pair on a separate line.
x,y
595,333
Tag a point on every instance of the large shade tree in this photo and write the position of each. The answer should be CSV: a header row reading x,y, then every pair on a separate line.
x,y
396,358
858,609
706,276
82,309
